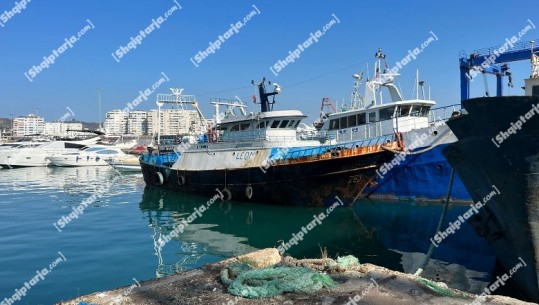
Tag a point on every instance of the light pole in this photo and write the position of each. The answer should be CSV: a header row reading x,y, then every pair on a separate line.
x,y
99,91
11,114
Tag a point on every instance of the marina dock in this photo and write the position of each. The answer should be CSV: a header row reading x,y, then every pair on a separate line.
x,y
356,284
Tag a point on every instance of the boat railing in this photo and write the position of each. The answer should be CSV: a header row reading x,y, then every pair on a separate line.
x,y
242,136
485,52
411,123
364,131
443,114
292,153
160,159
220,100
174,98
256,135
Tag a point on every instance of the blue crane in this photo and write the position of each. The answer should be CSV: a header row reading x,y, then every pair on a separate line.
x,y
492,60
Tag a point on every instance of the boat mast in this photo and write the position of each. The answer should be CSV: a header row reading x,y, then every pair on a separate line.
x,y
378,80
265,104
357,100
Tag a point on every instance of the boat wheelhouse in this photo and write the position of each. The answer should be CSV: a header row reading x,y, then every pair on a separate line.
x,y
368,116
274,126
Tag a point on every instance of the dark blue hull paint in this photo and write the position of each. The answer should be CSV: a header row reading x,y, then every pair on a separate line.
x,y
421,177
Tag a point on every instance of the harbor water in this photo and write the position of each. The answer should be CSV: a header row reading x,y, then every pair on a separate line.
x,y
93,229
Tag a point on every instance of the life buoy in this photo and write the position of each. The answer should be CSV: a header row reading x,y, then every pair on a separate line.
x,y
227,193
160,178
181,180
249,192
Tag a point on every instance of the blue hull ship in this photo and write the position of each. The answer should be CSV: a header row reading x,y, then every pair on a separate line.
x,y
420,172
421,177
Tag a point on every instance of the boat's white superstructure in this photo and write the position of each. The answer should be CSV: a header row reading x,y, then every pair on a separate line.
x,y
369,116
246,140
238,139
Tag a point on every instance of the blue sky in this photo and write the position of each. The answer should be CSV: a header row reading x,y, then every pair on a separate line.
x,y
323,69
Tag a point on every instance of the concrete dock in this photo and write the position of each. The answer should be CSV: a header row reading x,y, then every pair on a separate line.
x,y
359,284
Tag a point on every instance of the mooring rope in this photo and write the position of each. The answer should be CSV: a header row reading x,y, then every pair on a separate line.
x,y
444,211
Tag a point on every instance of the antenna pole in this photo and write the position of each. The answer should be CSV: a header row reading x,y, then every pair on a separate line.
x,y
417,84
99,91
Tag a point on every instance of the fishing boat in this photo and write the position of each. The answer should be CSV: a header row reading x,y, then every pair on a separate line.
x,y
421,173
497,158
258,157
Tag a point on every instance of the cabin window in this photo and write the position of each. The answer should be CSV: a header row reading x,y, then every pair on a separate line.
x,y
235,128
352,121
403,110
425,111
386,113
344,123
297,123
261,125
244,126
421,111
361,119
333,124
291,124
416,110
284,123
275,124
108,152
372,117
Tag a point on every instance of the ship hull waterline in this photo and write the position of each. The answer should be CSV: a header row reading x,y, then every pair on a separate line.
x,y
310,181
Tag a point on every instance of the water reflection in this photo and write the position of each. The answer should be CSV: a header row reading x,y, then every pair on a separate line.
x,y
390,234
71,180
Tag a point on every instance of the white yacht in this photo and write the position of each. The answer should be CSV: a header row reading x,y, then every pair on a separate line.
x,y
91,156
29,154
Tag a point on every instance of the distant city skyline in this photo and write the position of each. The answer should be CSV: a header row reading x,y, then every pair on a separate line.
x,y
133,51
117,122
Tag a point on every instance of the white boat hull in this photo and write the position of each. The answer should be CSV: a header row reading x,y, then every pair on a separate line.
x,y
75,160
